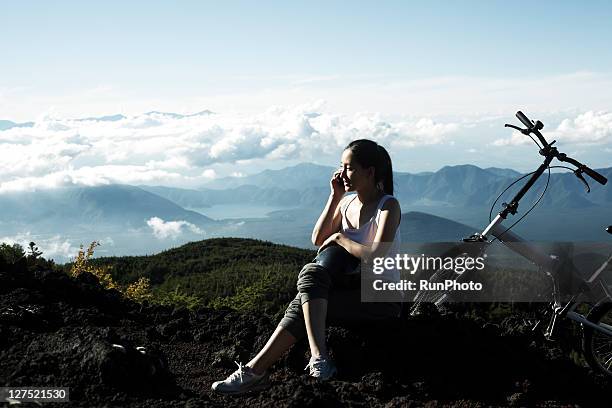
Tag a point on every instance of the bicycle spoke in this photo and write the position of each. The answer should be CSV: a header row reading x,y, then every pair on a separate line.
x,y
605,362
602,347
600,344
604,357
608,363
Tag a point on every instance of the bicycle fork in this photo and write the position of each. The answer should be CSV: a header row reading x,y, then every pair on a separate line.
x,y
557,311
557,308
569,311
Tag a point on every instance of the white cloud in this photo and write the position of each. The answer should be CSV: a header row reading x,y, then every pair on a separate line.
x,y
89,176
424,132
52,247
517,139
108,241
209,173
171,229
588,128
156,149
419,96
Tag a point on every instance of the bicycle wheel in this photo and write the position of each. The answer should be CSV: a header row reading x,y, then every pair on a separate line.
x,y
597,346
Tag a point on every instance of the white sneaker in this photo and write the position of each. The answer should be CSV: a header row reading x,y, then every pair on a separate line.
x,y
322,368
240,381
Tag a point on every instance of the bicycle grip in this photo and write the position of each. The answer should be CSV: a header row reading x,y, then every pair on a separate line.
x,y
521,116
595,175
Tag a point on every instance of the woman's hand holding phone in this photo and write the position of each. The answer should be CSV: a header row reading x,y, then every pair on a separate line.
x,y
336,184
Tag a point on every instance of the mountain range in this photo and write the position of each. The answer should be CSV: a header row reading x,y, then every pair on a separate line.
x,y
306,184
118,205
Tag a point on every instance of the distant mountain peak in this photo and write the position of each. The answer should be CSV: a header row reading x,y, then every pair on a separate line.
x,y
106,118
179,115
7,124
503,172
302,166
309,165
459,167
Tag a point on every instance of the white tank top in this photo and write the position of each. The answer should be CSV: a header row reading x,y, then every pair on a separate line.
x,y
366,233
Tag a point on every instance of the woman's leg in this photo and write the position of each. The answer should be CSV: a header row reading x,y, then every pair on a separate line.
x,y
289,331
315,315
280,341
305,316
314,282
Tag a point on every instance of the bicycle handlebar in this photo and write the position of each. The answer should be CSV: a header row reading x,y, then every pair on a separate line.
x,y
582,167
534,127
549,152
521,116
595,175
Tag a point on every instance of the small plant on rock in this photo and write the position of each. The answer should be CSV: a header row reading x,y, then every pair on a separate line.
x,y
81,264
139,291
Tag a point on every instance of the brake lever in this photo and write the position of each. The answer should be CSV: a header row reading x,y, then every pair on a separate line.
x,y
523,131
578,174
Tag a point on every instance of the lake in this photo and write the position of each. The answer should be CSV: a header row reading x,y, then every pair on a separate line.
x,y
229,211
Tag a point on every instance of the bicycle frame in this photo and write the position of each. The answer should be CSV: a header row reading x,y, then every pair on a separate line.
x,y
546,262
513,206
507,236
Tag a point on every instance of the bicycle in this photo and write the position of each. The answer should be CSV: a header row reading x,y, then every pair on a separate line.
x,y
597,323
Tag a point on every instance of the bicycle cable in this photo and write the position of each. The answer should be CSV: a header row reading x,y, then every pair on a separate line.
x,y
532,207
534,141
516,181
561,167
502,193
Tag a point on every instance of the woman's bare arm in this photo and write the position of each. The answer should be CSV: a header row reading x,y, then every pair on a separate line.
x,y
329,221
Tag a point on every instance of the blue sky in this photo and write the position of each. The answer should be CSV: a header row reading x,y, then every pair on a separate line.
x,y
187,47
466,66
279,38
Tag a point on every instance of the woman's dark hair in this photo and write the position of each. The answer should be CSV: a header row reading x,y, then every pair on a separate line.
x,y
370,154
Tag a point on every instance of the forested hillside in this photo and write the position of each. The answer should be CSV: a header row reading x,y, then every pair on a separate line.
x,y
241,273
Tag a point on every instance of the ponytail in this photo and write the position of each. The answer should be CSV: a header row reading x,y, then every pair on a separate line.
x,y
384,170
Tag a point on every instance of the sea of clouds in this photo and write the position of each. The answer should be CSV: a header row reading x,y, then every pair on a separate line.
x,y
189,150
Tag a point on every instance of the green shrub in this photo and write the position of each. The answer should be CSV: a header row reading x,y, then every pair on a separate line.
x,y
139,291
11,253
175,298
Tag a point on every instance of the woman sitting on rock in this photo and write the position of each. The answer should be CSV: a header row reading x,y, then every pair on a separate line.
x,y
366,225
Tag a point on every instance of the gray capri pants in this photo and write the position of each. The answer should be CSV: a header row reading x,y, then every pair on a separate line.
x,y
343,293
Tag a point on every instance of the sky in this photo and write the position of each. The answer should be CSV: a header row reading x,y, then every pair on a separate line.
x,y
289,82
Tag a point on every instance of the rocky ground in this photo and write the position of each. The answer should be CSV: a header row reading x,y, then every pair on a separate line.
x,y
58,331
